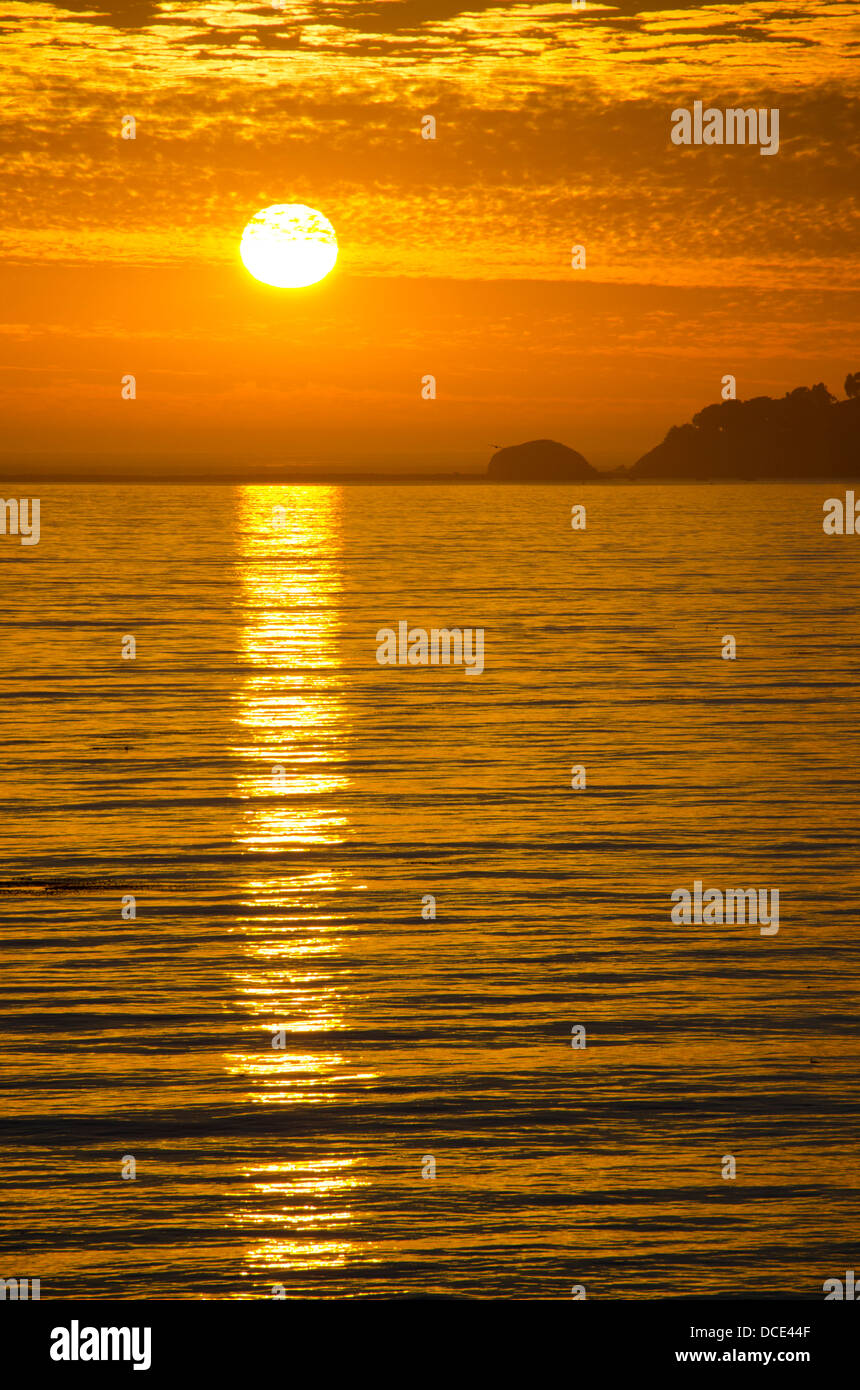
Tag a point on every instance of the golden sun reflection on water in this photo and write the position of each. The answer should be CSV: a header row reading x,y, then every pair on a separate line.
x,y
291,756
309,1191
290,708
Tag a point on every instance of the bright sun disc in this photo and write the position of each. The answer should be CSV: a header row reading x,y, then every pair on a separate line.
x,y
288,245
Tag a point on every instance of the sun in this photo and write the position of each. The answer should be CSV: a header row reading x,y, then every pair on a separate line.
x,y
288,245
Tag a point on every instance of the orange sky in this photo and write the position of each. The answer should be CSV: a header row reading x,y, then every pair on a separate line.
x,y
553,128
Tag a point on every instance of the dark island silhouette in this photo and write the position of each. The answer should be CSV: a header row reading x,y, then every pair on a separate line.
x,y
540,461
806,435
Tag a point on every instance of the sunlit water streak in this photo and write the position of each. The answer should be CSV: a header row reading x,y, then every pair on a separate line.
x,y
292,901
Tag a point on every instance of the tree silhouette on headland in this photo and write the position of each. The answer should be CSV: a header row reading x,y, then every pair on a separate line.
x,y
807,433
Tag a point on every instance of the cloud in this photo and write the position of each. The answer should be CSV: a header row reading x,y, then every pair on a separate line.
x,y
549,132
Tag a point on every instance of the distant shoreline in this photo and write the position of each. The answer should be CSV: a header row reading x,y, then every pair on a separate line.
x,y
807,435
410,480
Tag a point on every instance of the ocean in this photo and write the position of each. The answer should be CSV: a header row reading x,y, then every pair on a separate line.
x,y
276,809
